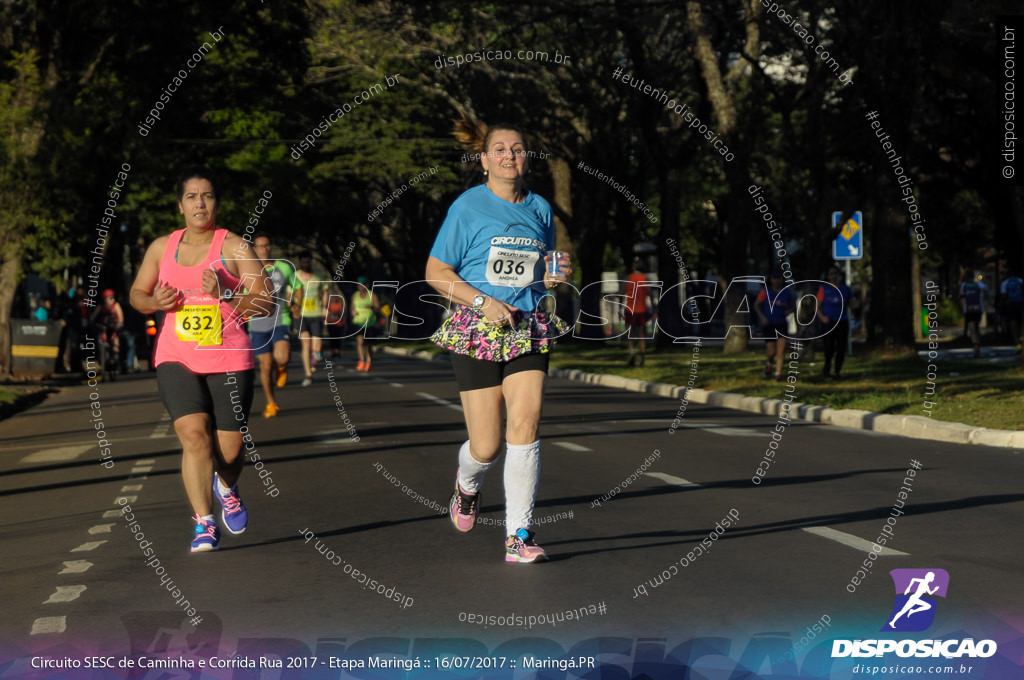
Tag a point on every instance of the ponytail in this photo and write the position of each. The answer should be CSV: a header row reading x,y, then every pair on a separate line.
x,y
472,135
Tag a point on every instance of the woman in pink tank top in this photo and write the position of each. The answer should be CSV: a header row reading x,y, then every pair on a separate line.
x,y
207,281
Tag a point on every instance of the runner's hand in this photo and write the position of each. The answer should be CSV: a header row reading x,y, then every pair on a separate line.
x,y
211,285
497,313
566,269
165,297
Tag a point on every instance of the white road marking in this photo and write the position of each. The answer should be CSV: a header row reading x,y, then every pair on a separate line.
x,y
75,567
721,429
439,400
572,446
100,529
851,541
162,427
673,480
142,469
127,500
86,547
60,454
398,385
111,513
49,624
131,487
713,428
332,442
65,594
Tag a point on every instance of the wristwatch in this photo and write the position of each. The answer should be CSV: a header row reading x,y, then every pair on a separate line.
x,y
227,295
478,302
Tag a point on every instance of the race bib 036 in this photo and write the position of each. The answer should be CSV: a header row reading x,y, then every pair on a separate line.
x,y
511,267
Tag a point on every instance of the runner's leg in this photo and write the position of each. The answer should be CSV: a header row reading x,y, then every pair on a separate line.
x,y
197,460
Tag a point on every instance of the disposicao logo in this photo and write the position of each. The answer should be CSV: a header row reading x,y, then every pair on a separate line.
x,y
916,590
914,610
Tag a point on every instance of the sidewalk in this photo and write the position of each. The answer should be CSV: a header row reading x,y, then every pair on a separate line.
x,y
917,427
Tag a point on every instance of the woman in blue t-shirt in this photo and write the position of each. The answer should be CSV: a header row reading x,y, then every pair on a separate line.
x,y
489,258
773,304
834,303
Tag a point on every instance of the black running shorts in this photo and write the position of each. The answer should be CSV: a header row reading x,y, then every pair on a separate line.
x,y
225,397
476,374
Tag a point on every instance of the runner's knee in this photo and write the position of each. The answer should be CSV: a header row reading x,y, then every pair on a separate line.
x,y
195,438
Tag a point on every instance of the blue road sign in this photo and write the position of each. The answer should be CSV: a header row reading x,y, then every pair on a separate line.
x,y
848,243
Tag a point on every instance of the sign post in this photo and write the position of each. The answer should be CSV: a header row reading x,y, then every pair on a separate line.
x,y
848,244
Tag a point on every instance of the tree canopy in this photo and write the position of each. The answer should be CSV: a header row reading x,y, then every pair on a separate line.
x,y
338,108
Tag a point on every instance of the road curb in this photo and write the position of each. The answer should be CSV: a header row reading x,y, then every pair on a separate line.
x,y
914,427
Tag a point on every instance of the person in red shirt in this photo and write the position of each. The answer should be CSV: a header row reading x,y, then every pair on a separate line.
x,y
109,319
637,312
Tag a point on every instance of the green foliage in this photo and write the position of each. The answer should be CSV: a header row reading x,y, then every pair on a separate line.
x,y
77,83
949,312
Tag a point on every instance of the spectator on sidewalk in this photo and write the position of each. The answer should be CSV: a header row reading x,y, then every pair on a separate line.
x,y
973,295
1011,296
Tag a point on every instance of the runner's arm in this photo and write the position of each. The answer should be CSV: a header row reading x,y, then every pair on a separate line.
x,y
148,293
255,296
442,277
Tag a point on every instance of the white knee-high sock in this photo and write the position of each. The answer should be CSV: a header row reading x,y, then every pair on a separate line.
x,y
471,471
522,472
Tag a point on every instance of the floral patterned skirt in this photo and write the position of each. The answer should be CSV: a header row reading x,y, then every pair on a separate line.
x,y
467,332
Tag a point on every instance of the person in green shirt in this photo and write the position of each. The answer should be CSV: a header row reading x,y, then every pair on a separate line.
x,y
365,307
308,304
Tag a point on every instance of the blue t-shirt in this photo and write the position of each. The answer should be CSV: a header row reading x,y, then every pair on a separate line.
x,y
775,304
498,247
835,304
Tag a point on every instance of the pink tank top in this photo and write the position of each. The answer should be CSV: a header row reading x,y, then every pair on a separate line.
x,y
205,335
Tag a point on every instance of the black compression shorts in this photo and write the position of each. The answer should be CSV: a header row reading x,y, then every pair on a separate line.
x,y
225,397
475,374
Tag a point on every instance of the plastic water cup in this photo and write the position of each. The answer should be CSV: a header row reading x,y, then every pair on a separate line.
x,y
555,264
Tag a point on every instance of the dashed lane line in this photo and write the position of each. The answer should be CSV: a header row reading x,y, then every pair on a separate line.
x,y
851,541
439,401
162,427
49,624
65,594
75,567
572,446
673,480
87,547
58,454
713,428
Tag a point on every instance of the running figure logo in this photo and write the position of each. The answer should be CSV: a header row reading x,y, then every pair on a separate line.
x,y
915,611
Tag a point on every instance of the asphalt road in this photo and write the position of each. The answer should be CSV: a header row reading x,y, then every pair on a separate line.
x,y
629,567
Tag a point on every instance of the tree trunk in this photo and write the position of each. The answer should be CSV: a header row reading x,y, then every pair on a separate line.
x,y
8,282
561,176
892,309
668,269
